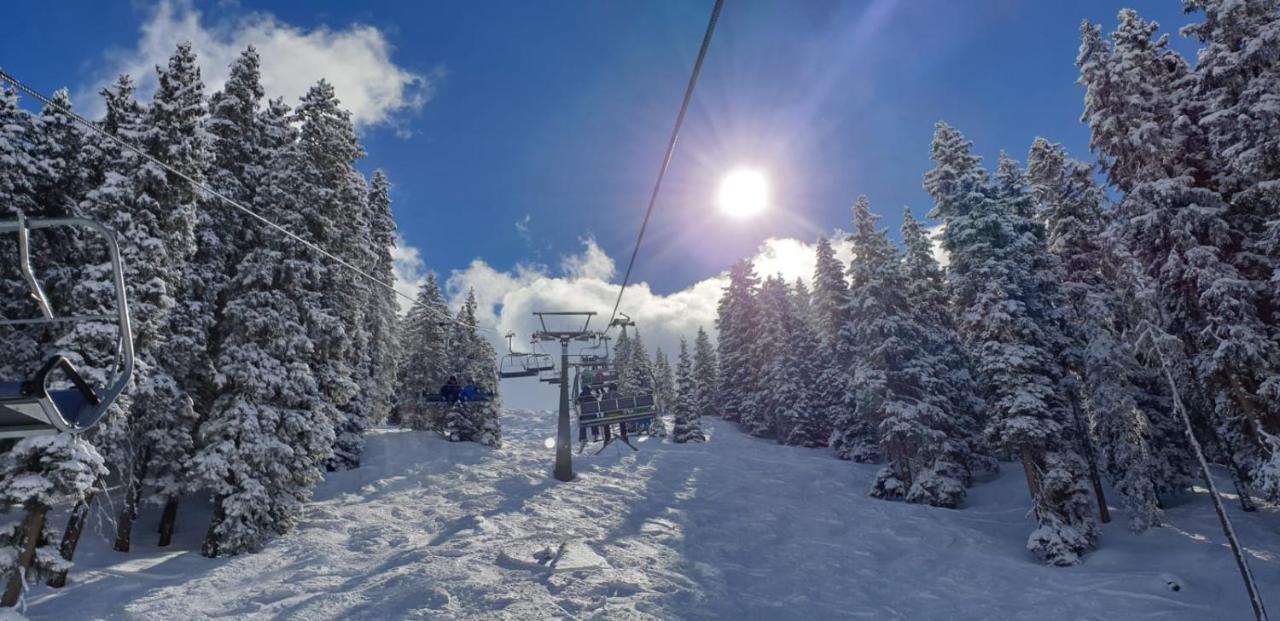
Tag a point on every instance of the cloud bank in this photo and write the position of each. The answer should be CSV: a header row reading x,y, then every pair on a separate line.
x,y
355,59
585,281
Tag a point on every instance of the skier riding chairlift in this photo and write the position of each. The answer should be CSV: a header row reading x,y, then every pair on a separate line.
x,y
451,389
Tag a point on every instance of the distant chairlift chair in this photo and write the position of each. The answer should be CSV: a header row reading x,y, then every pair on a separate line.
x,y
611,409
40,404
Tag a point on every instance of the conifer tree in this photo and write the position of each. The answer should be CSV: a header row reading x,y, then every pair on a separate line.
x,y
956,385
475,362
424,363
664,388
706,375
781,403
999,292
687,422
265,444
739,361
334,196
384,311
1175,223
1072,207
37,473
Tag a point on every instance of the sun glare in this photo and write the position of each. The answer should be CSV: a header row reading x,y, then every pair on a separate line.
x,y
743,193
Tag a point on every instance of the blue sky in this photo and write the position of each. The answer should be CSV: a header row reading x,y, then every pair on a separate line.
x,y
560,110
514,130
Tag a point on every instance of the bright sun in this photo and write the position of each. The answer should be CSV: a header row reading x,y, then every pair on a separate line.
x,y
743,193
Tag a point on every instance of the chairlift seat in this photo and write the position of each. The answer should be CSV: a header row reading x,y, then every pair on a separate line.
x,y
32,408
626,409
438,398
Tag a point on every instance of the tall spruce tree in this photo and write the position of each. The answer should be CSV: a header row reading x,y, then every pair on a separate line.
x,y
1072,206
781,403
955,385
334,197
737,320
664,386
687,421
384,345
706,375
1002,301
265,444
1174,222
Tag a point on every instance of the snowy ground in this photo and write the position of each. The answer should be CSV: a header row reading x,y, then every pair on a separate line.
x,y
738,528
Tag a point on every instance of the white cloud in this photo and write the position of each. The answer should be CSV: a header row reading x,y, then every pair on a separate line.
x,y
507,300
522,228
410,272
593,263
355,59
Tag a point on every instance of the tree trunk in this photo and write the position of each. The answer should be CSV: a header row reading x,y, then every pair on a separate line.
x,y
211,540
167,521
71,536
1030,467
132,498
32,529
1086,442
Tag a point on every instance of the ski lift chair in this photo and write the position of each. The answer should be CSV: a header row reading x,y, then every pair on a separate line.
x,y
549,376
41,404
515,364
616,410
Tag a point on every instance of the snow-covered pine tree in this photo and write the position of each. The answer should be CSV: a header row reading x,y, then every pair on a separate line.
x,y
830,301
176,135
779,396
267,439
37,473
1236,76
736,321
334,196
687,422
641,379
1072,206
638,375
964,421
706,375
475,363
901,385
384,308
665,385
91,346
854,434
1001,303
1180,230
424,363
807,425
19,177
72,279
833,397
153,213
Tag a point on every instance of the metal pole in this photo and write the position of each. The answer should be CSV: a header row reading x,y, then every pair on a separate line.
x,y
564,456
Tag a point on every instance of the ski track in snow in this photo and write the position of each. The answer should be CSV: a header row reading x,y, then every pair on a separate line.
x,y
739,528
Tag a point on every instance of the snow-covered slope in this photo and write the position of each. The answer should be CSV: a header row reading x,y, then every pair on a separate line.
x,y
738,528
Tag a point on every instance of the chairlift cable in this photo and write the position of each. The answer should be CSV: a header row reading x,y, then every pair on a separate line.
x,y
666,160
7,77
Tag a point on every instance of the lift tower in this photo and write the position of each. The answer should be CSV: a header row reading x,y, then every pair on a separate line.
x,y
564,444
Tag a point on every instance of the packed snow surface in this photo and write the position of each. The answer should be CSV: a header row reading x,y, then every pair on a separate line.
x,y
738,528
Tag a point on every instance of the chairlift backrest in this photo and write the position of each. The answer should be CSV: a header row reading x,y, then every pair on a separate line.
x,y
39,404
